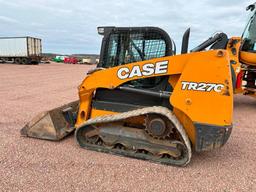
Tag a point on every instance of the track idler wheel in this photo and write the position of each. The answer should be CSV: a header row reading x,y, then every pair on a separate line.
x,y
158,127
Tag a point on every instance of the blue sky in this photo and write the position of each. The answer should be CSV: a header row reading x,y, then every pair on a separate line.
x,y
70,26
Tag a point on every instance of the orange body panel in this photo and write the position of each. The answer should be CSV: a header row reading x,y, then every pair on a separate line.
x,y
96,113
233,51
248,58
206,107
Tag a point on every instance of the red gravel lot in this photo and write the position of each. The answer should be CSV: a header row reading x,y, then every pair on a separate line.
x,y
35,165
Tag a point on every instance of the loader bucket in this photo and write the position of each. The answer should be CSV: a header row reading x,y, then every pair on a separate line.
x,y
54,124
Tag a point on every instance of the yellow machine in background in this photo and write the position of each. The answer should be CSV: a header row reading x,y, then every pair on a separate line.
x,y
146,102
242,53
246,57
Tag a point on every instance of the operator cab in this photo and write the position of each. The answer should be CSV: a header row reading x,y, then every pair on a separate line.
x,y
123,45
248,50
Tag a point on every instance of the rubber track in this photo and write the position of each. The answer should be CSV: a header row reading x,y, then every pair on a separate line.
x,y
143,111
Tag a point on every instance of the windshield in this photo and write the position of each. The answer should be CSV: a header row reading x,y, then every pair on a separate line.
x,y
249,35
127,47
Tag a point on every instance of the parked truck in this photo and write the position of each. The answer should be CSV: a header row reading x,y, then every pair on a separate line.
x,y
20,50
59,58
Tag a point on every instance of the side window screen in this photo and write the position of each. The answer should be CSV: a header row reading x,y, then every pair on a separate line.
x,y
112,50
127,47
155,48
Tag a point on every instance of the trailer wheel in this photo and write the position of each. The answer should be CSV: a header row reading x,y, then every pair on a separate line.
x,y
24,61
4,60
17,60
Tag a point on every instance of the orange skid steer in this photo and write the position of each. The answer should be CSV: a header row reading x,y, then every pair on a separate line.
x,y
144,101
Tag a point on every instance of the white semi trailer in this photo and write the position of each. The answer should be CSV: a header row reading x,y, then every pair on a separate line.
x,y
20,50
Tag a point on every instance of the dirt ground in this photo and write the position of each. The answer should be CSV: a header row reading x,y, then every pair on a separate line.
x,y
35,165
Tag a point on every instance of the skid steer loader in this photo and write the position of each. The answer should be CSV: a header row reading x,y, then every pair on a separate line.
x,y
146,102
